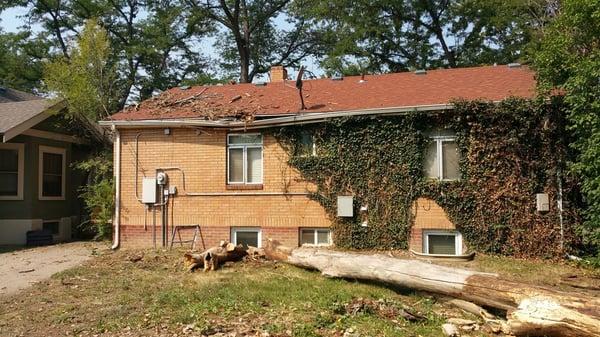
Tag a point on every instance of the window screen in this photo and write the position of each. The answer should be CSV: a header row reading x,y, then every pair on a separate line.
x,y
254,165
236,165
431,161
246,238
9,172
441,244
52,174
450,157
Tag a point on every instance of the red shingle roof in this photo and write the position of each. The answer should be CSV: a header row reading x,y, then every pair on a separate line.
x,y
323,95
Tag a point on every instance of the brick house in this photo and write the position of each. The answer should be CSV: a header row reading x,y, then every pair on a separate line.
x,y
200,155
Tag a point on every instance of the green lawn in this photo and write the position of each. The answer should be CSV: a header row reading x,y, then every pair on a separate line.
x,y
113,296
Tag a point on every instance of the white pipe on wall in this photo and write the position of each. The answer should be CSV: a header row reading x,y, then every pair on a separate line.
x,y
117,173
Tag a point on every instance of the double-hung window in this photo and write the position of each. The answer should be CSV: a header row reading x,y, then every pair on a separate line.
x,y
52,173
441,158
244,159
307,145
11,171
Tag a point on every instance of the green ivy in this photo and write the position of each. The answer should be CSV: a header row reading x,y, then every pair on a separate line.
x,y
509,152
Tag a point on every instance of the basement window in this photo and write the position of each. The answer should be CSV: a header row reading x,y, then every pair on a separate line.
x,y
315,237
244,159
442,242
246,236
52,226
441,158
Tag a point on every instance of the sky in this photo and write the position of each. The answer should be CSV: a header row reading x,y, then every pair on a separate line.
x,y
11,21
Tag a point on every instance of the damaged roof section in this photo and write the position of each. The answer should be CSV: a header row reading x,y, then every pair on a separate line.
x,y
245,102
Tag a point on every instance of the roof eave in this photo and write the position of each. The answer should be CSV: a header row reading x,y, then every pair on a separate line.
x,y
32,121
305,118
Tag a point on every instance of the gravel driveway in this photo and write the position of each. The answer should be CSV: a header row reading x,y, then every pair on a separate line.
x,y
21,268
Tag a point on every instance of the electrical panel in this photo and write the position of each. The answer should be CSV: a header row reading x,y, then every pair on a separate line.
x,y
542,202
149,191
345,205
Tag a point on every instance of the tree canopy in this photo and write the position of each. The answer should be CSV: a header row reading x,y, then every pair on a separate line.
x,y
567,58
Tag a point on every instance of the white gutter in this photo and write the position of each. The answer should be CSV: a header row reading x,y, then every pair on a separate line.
x,y
117,173
303,118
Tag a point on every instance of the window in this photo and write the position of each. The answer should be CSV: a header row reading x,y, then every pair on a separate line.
x,y
307,146
246,236
442,242
441,159
52,167
52,226
11,171
244,159
315,236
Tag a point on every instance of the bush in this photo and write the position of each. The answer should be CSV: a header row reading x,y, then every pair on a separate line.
x,y
98,194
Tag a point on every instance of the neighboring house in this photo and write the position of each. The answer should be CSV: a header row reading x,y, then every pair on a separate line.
x,y
38,186
224,173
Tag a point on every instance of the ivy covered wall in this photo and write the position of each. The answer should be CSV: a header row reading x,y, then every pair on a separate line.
x,y
508,152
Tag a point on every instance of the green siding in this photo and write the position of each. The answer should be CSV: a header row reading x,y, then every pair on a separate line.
x,y
32,208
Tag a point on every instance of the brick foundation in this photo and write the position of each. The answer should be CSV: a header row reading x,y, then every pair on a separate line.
x,y
137,237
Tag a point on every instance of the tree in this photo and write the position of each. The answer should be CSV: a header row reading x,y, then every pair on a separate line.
x,y
20,61
399,35
567,58
85,79
153,40
250,40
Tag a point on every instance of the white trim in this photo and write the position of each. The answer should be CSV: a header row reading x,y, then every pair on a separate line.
x,y
56,150
315,231
31,122
235,230
54,136
245,147
457,242
21,169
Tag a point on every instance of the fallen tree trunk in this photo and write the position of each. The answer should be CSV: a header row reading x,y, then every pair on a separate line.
x,y
531,310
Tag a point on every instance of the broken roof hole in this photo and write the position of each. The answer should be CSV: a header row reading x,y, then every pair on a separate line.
x,y
260,84
514,65
420,72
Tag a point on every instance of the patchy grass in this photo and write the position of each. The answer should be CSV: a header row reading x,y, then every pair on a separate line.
x,y
113,296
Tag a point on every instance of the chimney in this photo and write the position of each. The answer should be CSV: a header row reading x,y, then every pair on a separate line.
x,y
278,74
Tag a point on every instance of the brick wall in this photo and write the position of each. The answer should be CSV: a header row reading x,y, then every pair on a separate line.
x,y
201,158
428,215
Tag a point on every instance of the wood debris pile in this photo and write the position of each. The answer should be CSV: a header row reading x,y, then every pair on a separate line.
x,y
209,105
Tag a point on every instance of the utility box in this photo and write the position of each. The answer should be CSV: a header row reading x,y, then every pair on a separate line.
x,y
149,190
542,202
345,207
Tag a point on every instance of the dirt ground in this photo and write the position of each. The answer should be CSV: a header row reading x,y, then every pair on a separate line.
x,y
21,268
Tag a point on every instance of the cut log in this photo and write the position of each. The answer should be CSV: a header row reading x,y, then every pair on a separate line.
x,y
211,258
531,310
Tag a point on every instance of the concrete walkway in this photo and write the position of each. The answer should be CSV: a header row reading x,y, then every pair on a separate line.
x,y
19,269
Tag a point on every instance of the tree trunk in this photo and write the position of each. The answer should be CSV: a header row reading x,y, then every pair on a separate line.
x,y
531,310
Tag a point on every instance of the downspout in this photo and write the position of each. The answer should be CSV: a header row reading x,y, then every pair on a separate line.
x,y
117,175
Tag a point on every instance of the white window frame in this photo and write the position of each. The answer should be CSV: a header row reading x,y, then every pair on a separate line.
x,y
54,150
457,241
21,169
245,147
439,155
315,236
235,230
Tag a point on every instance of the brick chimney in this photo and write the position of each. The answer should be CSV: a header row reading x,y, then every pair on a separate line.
x,y
278,74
